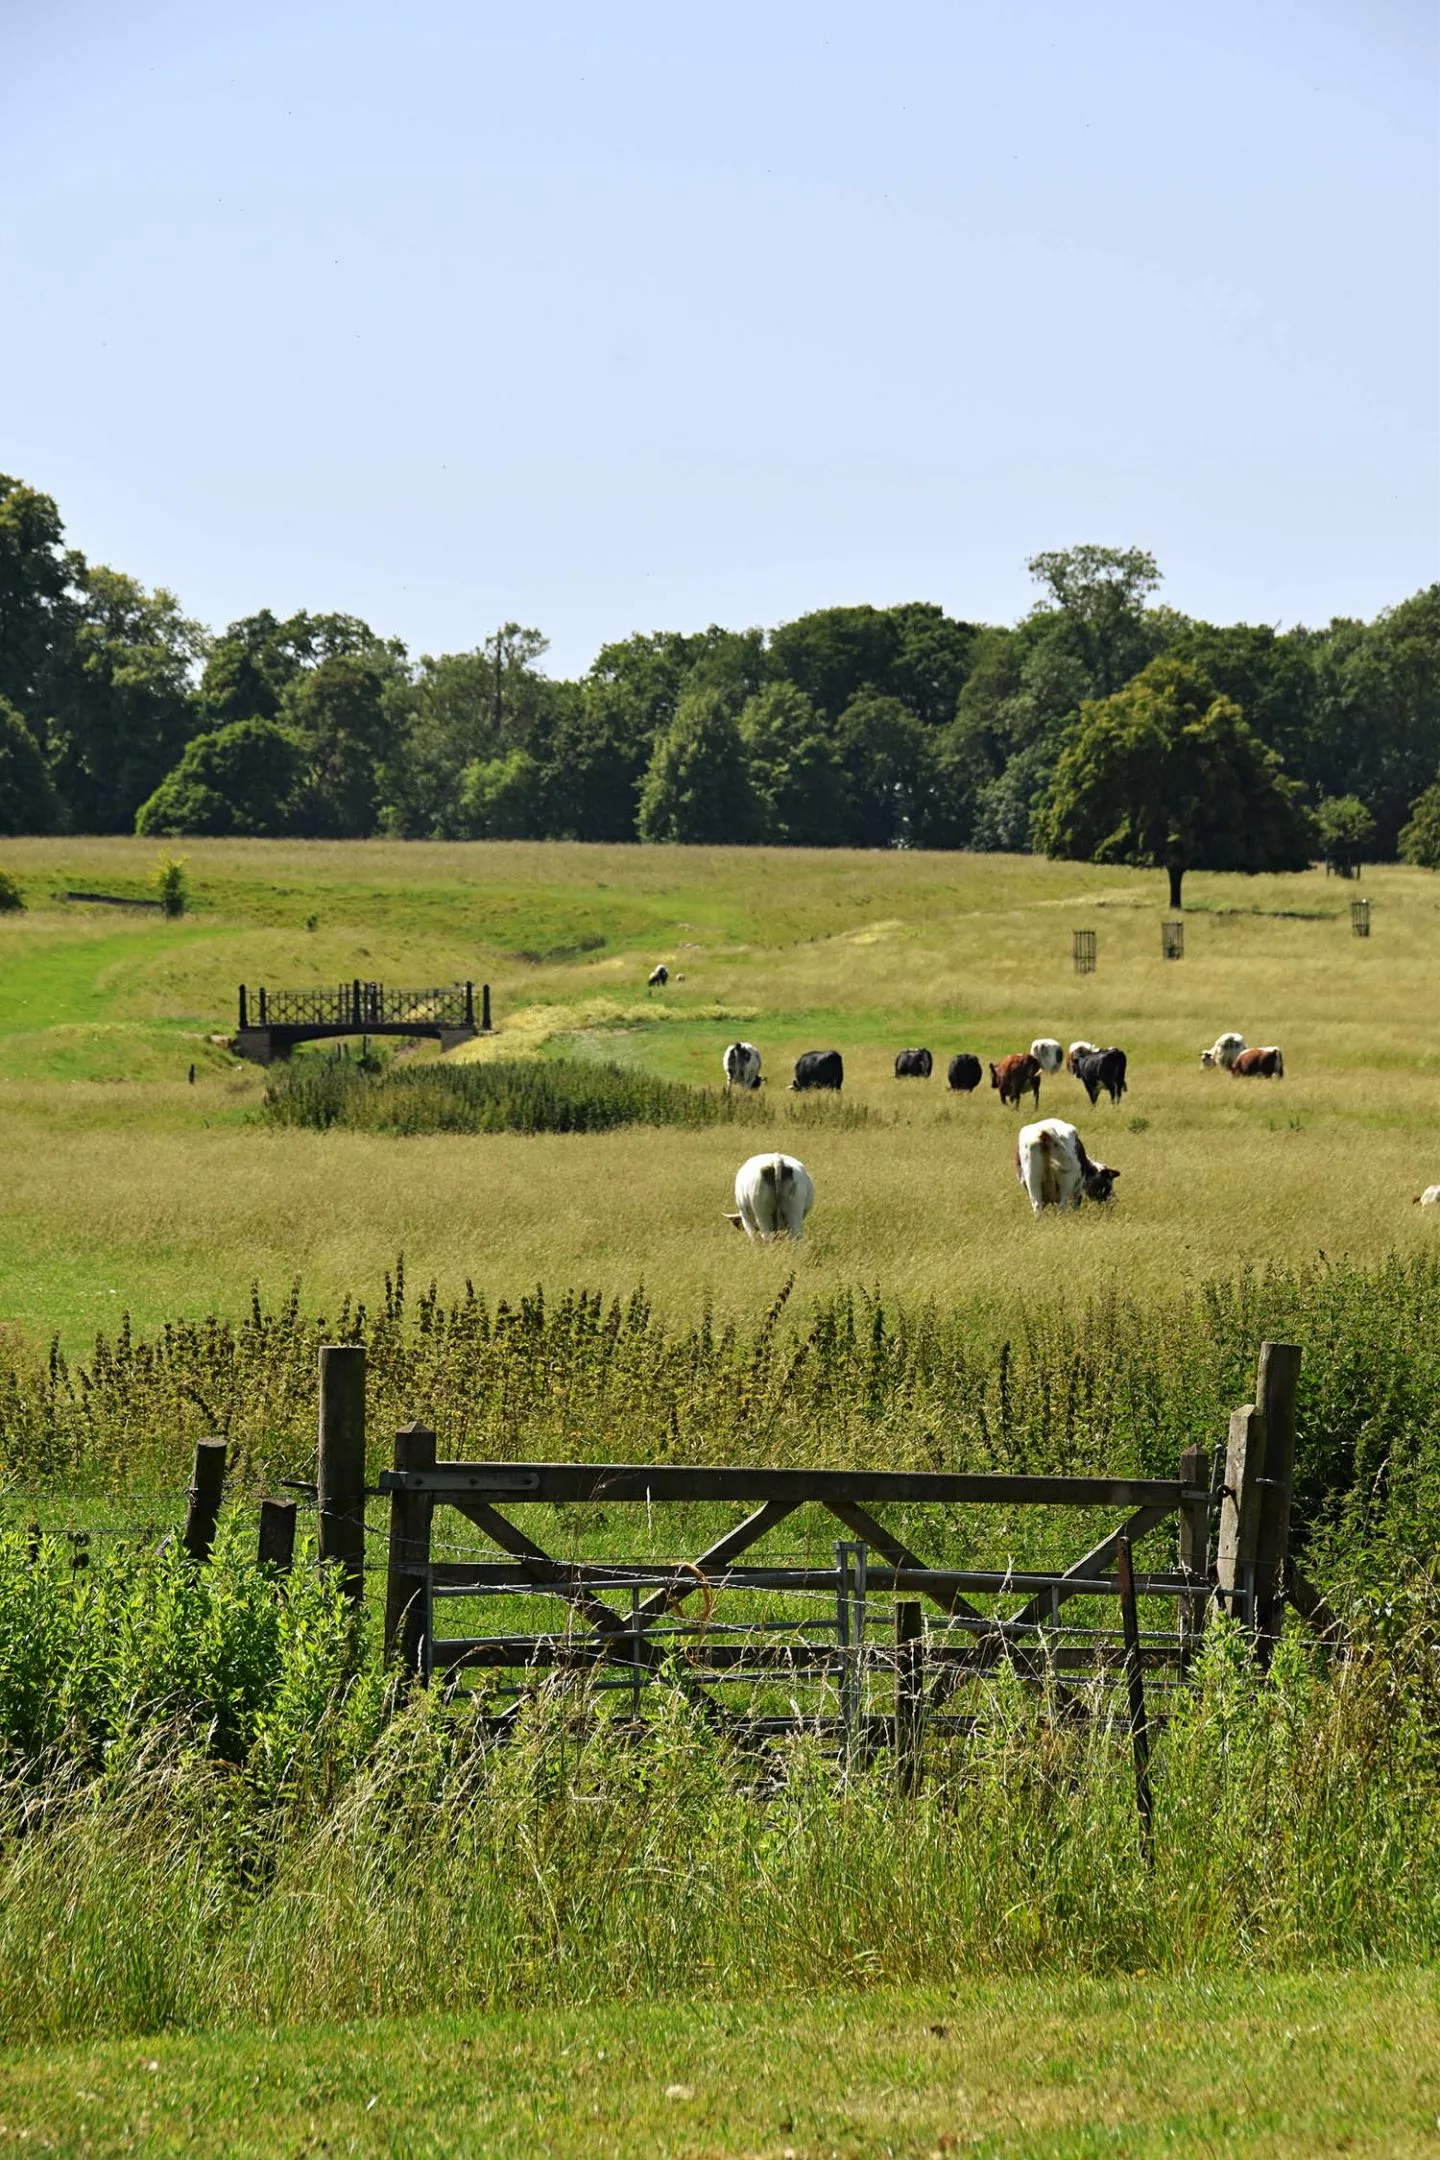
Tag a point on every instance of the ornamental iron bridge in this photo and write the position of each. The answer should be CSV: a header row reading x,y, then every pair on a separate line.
x,y
273,1021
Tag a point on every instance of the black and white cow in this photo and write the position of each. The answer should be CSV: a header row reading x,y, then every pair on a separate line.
x,y
742,1066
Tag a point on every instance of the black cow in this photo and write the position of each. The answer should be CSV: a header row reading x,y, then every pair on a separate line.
x,y
818,1069
1102,1069
913,1064
966,1073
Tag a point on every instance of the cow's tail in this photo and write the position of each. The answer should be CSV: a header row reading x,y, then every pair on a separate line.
x,y
777,1173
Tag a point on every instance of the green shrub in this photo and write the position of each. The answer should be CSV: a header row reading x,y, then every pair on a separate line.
x,y
172,885
561,1095
12,899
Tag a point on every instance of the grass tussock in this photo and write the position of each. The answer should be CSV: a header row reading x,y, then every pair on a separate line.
x,y
561,1095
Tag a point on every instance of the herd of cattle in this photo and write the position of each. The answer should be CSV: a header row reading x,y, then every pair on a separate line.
x,y
774,1193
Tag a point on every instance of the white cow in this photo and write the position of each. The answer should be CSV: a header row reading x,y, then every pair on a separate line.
x,y
1429,1198
1048,1054
1223,1051
742,1066
774,1194
1079,1050
1052,1165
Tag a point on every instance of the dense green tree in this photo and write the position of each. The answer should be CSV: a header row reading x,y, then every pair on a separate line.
x,y
338,713
795,776
1101,592
697,786
1420,836
244,778
885,757
1377,720
1345,831
504,798
914,653
37,578
1165,774
27,796
252,663
595,766
121,699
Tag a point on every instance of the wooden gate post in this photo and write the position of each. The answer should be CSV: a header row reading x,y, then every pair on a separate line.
x,y
340,1478
1277,1386
1194,1547
1240,1513
409,1551
207,1483
909,1693
276,1548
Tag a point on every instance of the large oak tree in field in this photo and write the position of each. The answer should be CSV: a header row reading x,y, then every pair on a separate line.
x,y
1166,775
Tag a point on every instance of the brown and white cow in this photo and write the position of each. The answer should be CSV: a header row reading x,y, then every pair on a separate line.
x,y
1267,1064
1016,1075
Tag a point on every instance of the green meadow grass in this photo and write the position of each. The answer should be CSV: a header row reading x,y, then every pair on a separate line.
x,y
1015,2069
128,1188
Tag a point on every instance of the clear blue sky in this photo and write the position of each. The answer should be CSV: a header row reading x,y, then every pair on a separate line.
x,y
646,316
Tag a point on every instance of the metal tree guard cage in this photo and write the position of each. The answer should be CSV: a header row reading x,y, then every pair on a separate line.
x,y
1360,918
1172,940
1084,942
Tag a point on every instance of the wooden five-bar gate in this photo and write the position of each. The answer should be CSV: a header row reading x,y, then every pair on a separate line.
x,y
801,1637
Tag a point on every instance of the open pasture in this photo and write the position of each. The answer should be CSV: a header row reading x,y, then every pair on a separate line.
x,y
127,1188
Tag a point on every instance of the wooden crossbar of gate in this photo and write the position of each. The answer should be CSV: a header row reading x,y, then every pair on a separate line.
x,y
624,1623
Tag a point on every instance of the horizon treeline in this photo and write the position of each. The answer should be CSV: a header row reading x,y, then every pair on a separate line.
x,y
852,726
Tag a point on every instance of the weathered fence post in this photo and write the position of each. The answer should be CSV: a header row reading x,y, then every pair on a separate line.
x,y
1240,1513
207,1483
340,1478
1278,1384
244,1008
909,1693
485,1008
276,1548
470,1004
1135,1685
1194,1547
410,1514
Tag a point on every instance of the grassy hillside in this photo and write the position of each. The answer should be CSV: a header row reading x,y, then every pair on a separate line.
x,y
128,1188
127,1185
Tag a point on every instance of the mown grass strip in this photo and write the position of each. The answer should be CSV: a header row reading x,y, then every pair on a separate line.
x,y
1006,2070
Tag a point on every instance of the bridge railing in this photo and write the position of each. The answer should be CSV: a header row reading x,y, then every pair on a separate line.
x,y
360,1005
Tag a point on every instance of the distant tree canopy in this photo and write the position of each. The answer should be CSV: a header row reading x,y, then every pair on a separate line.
x,y
1166,775
858,726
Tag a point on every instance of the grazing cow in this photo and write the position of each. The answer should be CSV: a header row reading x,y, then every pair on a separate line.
x,y
1223,1051
913,1064
658,977
1052,1165
1102,1069
1048,1054
774,1194
966,1073
1429,1198
742,1066
1079,1050
818,1069
1266,1064
1015,1076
